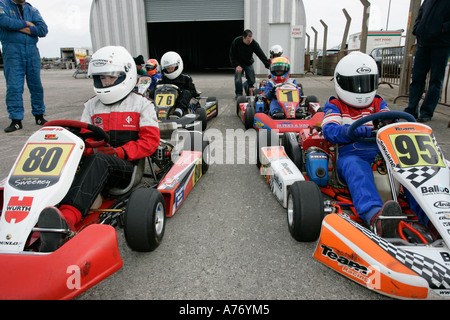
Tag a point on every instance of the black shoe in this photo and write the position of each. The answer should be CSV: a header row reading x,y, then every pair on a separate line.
x,y
423,120
51,218
15,125
40,119
384,222
278,114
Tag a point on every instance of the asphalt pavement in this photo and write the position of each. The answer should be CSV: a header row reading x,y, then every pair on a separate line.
x,y
229,240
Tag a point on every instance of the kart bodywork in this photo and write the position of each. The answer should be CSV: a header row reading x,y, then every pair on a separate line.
x,y
413,171
42,175
254,110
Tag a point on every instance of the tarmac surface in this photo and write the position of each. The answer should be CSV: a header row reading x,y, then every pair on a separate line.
x,y
229,240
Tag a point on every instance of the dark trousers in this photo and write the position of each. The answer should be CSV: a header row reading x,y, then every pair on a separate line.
x,y
249,74
433,60
97,172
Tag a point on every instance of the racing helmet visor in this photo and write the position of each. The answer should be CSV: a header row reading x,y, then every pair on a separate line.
x,y
98,83
279,69
358,84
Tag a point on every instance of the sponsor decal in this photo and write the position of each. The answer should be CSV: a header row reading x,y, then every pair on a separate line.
x,y
347,263
363,70
442,204
18,209
179,196
435,189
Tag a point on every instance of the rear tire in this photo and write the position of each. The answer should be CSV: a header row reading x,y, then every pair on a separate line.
x,y
202,117
305,211
293,150
249,117
144,220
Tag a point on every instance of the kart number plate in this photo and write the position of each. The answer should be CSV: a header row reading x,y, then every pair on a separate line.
x,y
288,96
415,149
144,81
43,159
165,99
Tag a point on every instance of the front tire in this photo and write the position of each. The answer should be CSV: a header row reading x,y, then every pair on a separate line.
x,y
305,211
144,220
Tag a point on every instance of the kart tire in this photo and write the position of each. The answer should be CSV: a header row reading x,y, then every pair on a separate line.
x,y
144,220
305,211
241,99
249,117
293,150
210,99
202,117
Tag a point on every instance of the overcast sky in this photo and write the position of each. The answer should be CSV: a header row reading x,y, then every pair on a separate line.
x,y
68,20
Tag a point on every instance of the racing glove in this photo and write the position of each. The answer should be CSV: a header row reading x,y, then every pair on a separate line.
x,y
363,132
107,149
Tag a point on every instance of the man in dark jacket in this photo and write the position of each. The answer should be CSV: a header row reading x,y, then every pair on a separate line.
x,y
432,29
241,58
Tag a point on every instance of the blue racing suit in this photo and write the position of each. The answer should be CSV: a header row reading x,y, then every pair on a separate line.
x,y
354,158
268,92
21,57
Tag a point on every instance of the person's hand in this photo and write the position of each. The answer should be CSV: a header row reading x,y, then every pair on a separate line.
x,y
363,132
30,24
106,149
238,69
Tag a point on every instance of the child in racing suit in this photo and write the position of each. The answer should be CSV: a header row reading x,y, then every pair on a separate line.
x,y
152,69
172,68
279,73
356,81
129,119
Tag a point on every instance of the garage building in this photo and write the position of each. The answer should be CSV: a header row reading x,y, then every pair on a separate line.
x,y
201,31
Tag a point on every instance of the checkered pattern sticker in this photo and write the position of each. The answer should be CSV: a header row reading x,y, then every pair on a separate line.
x,y
418,175
437,275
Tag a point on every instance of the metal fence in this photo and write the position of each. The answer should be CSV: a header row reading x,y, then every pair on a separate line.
x,y
444,98
390,61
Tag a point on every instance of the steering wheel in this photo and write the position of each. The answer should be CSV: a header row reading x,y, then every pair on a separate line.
x,y
387,115
94,132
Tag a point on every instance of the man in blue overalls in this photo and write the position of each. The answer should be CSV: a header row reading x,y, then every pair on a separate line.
x,y
20,27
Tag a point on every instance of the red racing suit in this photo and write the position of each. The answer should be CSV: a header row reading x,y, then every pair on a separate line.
x,y
133,129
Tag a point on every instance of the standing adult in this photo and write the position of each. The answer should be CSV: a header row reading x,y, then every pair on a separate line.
x,y
432,29
241,58
21,25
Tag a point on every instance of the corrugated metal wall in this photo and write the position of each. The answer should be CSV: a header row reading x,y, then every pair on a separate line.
x,y
119,22
259,14
124,22
194,10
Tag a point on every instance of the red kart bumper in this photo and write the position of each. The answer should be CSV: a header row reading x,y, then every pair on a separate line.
x,y
263,121
88,258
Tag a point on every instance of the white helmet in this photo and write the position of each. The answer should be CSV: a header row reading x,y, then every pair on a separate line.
x,y
276,51
113,61
356,79
171,59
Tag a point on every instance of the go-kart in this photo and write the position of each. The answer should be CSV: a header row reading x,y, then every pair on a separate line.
x,y
254,110
42,175
412,171
166,97
143,86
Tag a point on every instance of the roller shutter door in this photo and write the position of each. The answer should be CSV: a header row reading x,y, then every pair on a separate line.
x,y
193,10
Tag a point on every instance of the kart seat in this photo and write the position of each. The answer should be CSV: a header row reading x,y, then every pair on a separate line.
x,y
138,173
